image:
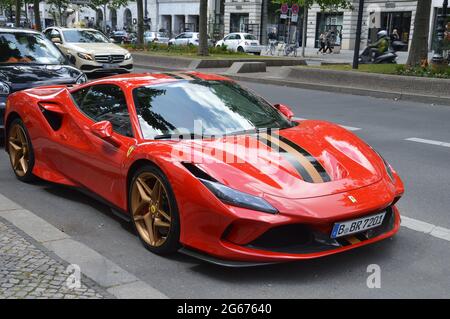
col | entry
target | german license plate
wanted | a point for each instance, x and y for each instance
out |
(110, 66)
(357, 225)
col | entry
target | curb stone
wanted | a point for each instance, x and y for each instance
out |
(117, 282)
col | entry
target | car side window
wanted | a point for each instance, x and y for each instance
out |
(238, 37)
(105, 102)
(48, 34)
(180, 36)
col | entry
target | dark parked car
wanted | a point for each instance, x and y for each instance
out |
(28, 59)
(122, 37)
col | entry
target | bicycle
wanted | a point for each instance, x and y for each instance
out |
(291, 48)
(271, 47)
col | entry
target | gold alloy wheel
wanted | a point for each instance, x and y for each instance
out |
(19, 150)
(151, 209)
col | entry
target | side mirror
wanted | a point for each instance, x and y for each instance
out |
(285, 110)
(71, 59)
(56, 40)
(104, 130)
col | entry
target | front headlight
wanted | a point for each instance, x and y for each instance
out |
(4, 88)
(236, 198)
(387, 166)
(128, 56)
(85, 56)
(81, 79)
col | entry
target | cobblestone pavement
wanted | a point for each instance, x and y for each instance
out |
(28, 271)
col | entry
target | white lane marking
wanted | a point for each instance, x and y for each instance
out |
(425, 141)
(350, 128)
(427, 228)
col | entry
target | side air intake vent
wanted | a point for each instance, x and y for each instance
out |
(197, 172)
(54, 119)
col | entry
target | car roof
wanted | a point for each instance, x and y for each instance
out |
(136, 80)
(17, 30)
(64, 28)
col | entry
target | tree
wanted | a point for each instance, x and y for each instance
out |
(264, 21)
(37, 15)
(418, 53)
(18, 12)
(140, 21)
(203, 28)
(60, 6)
(306, 4)
(105, 4)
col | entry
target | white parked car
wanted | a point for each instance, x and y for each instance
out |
(155, 37)
(241, 42)
(90, 50)
(187, 38)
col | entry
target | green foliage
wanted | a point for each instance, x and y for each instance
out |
(181, 49)
(94, 4)
(429, 71)
(324, 4)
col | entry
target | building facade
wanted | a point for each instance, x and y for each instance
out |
(225, 16)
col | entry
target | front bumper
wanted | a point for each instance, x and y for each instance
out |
(319, 244)
(253, 48)
(89, 67)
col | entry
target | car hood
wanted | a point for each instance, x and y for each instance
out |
(254, 165)
(97, 48)
(21, 77)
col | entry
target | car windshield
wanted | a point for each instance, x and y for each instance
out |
(202, 108)
(249, 37)
(84, 36)
(29, 48)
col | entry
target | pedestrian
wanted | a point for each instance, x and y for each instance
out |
(395, 36)
(321, 43)
(328, 42)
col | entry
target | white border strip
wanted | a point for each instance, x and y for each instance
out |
(427, 228)
(425, 141)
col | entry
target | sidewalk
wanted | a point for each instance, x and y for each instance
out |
(344, 56)
(29, 271)
(37, 260)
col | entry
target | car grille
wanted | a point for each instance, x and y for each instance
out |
(108, 58)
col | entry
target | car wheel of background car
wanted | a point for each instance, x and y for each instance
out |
(240, 49)
(20, 151)
(154, 211)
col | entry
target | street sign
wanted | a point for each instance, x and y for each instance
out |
(294, 18)
(284, 8)
(295, 9)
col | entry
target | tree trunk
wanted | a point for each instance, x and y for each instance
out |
(37, 15)
(304, 29)
(140, 19)
(418, 53)
(18, 12)
(264, 21)
(104, 18)
(203, 28)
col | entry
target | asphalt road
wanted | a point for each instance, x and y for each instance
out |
(413, 264)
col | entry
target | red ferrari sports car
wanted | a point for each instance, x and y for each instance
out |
(203, 166)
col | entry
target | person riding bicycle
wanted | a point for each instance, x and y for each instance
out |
(381, 46)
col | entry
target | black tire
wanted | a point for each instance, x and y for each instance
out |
(241, 49)
(172, 242)
(28, 176)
